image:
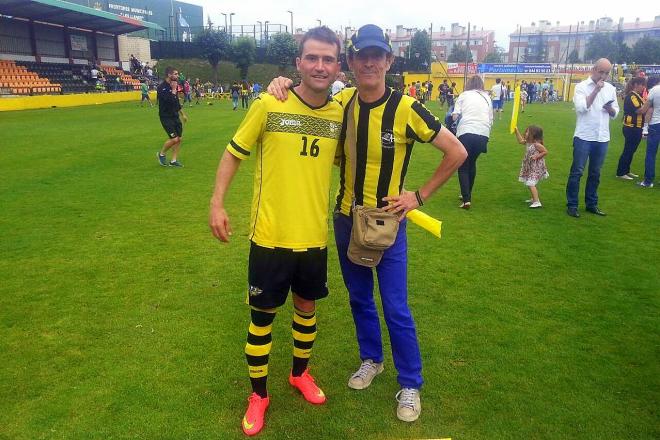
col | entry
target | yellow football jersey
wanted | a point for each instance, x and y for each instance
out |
(385, 133)
(295, 146)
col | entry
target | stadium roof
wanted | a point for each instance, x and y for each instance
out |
(73, 15)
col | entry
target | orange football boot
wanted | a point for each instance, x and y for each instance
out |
(310, 391)
(253, 421)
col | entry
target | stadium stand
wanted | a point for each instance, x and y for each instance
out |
(32, 78)
(112, 73)
(18, 80)
(72, 78)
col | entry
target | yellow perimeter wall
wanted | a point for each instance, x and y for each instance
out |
(48, 101)
(438, 74)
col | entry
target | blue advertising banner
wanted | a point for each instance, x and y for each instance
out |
(514, 68)
(650, 70)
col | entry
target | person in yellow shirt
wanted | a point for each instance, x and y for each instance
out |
(295, 144)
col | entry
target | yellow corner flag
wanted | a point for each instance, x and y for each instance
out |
(516, 107)
(434, 226)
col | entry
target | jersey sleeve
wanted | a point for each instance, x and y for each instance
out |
(249, 132)
(344, 95)
(422, 125)
(636, 102)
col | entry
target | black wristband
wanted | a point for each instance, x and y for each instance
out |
(420, 202)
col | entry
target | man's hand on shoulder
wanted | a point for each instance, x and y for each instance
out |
(279, 88)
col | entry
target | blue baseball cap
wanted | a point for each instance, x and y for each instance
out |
(370, 35)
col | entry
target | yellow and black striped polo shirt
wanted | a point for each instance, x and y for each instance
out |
(295, 146)
(631, 104)
(385, 133)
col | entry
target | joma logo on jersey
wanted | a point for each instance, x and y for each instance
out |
(290, 123)
(387, 139)
(254, 291)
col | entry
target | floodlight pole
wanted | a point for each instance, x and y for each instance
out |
(568, 52)
(515, 75)
(467, 54)
(261, 33)
(430, 52)
(231, 33)
(225, 21)
(570, 78)
(291, 13)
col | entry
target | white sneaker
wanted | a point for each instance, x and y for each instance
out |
(625, 177)
(529, 201)
(536, 205)
(633, 175)
(410, 405)
(643, 184)
(362, 378)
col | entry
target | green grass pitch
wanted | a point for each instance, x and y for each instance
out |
(121, 317)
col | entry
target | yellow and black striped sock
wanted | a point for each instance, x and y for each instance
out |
(303, 329)
(257, 349)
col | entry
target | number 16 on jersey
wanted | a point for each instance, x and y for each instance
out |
(313, 148)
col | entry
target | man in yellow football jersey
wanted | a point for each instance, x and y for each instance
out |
(295, 143)
(387, 124)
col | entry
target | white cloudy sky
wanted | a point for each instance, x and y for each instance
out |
(502, 17)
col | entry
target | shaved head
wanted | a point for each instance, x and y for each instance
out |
(601, 70)
(603, 63)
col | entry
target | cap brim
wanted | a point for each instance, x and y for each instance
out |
(373, 43)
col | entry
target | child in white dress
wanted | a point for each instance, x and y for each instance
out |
(533, 168)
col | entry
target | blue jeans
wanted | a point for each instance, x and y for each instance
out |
(583, 150)
(651, 152)
(632, 136)
(392, 283)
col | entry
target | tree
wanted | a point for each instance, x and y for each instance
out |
(282, 50)
(458, 53)
(622, 50)
(600, 45)
(574, 57)
(243, 53)
(646, 51)
(420, 51)
(624, 53)
(496, 56)
(215, 47)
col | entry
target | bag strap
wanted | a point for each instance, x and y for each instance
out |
(483, 97)
(351, 140)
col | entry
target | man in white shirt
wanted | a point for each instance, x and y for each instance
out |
(94, 75)
(496, 93)
(652, 102)
(595, 104)
(339, 85)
